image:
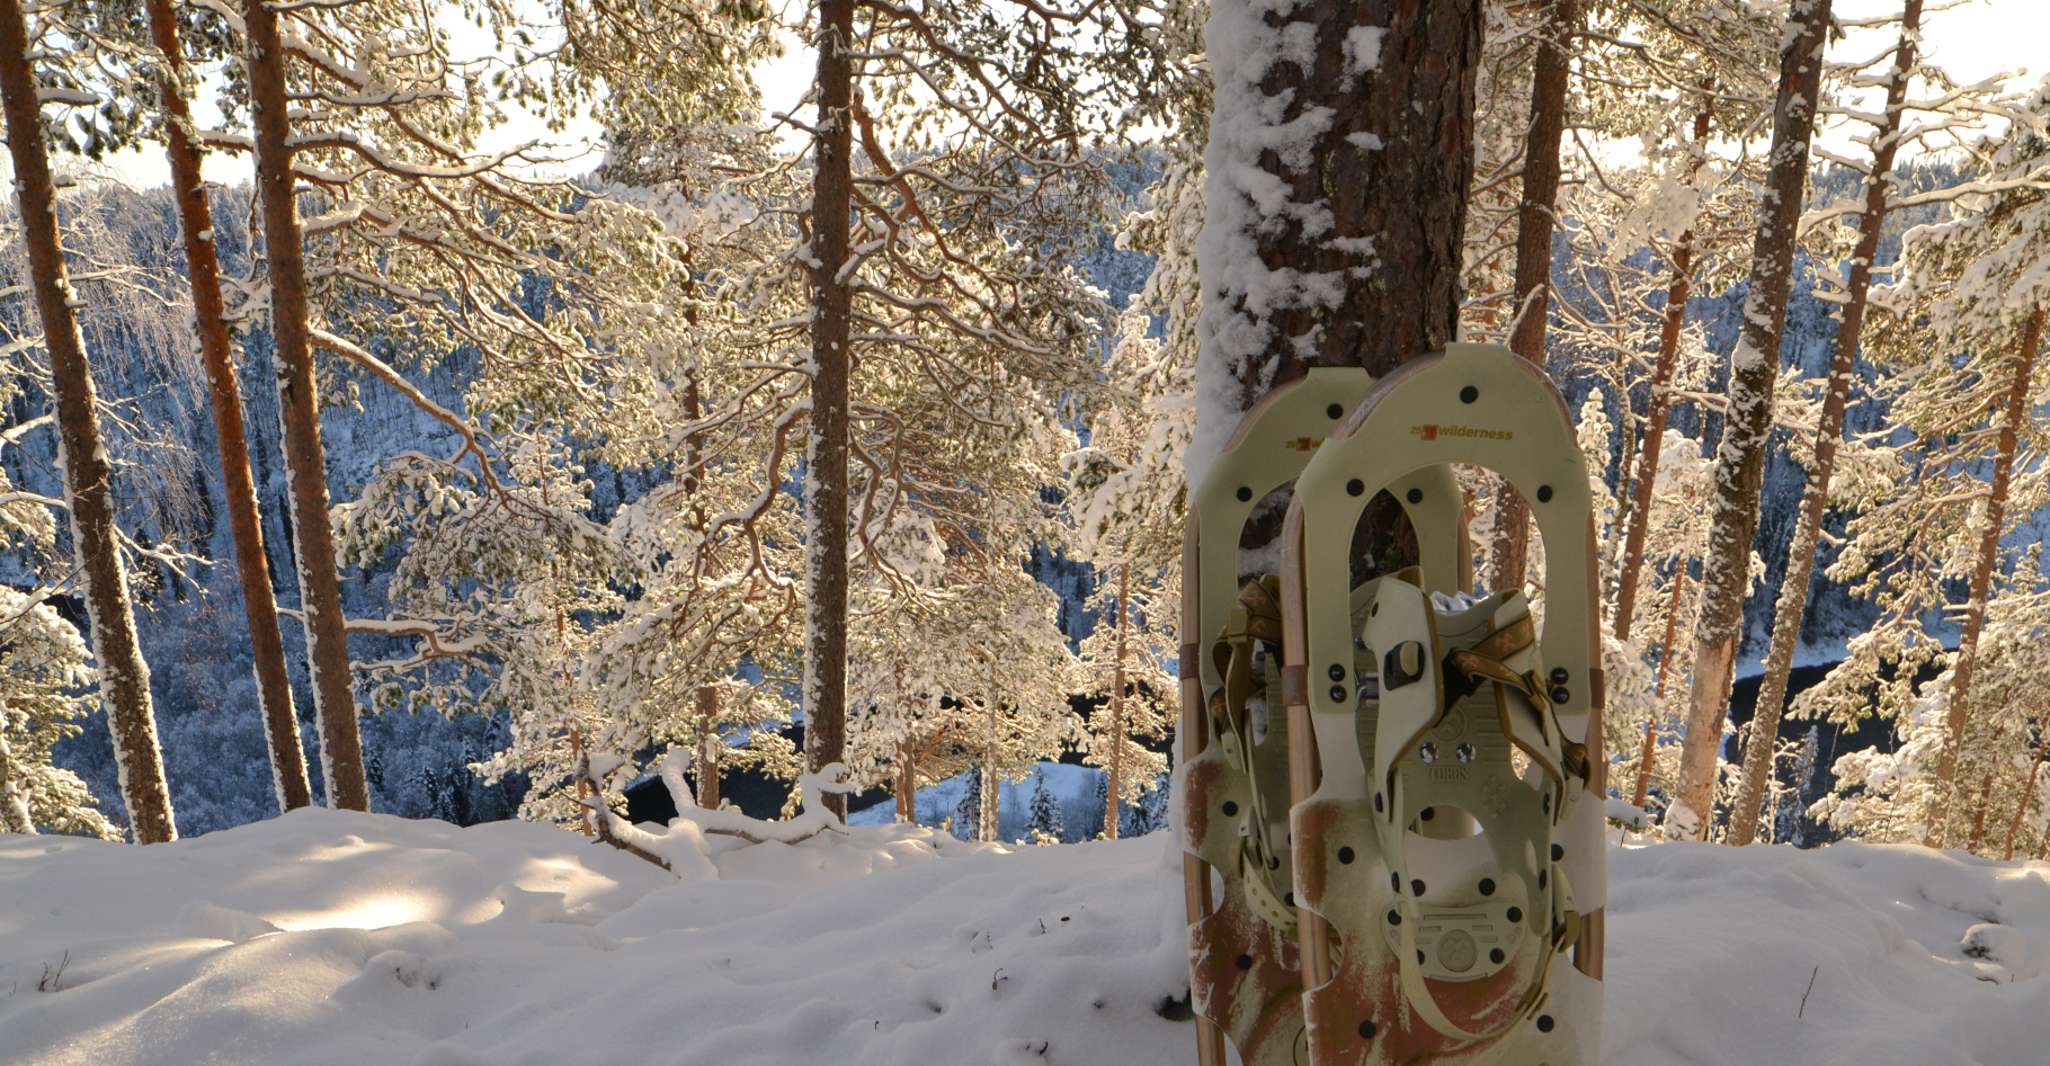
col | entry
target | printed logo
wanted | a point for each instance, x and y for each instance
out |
(1433, 432)
(1301, 444)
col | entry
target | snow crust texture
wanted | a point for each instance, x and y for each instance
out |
(336, 937)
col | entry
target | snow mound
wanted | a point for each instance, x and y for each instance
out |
(330, 937)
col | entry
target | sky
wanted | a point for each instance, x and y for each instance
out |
(1974, 40)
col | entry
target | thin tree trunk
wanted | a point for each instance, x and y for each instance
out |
(1113, 788)
(14, 813)
(707, 695)
(1793, 599)
(327, 640)
(2021, 809)
(708, 748)
(1754, 366)
(1644, 759)
(88, 473)
(1536, 220)
(825, 651)
(907, 767)
(238, 485)
(1960, 695)
(1653, 438)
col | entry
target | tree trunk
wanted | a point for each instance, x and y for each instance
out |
(14, 813)
(1793, 599)
(88, 472)
(2021, 809)
(238, 485)
(327, 640)
(1754, 366)
(708, 749)
(1661, 405)
(1959, 698)
(906, 782)
(1644, 759)
(1536, 220)
(1113, 787)
(825, 651)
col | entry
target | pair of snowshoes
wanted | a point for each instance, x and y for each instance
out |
(1391, 802)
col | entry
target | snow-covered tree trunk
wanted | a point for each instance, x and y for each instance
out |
(1666, 656)
(14, 816)
(327, 641)
(88, 470)
(1115, 783)
(1536, 219)
(1957, 700)
(1652, 440)
(906, 782)
(238, 484)
(986, 811)
(2021, 810)
(1740, 461)
(825, 607)
(708, 748)
(1793, 599)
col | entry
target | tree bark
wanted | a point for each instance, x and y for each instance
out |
(708, 748)
(1113, 787)
(14, 813)
(906, 782)
(88, 472)
(1958, 699)
(1661, 404)
(825, 652)
(238, 484)
(327, 640)
(1754, 367)
(2021, 809)
(1536, 220)
(1793, 599)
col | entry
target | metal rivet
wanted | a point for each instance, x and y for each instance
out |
(1545, 1023)
(1334, 411)
(1495, 956)
(1245, 962)
(1416, 496)
(1345, 856)
(1377, 802)
(1338, 693)
(1367, 1030)
(1394, 918)
(1544, 494)
(1487, 886)
(1337, 672)
(1419, 956)
(1560, 676)
(1560, 694)
(1558, 852)
(1515, 914)
(1416, 888)
(1428, 813)
(1231, 809)
(1465, 754)
(1469, 394)
(1355, 487)
(1428, 752)
(1245, 494)
(1395, 880)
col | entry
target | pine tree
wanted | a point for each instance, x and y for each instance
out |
(88, 470)
(1740, 459)
(968, 812)
(1043, 824)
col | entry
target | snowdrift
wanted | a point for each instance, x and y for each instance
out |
(328, 937)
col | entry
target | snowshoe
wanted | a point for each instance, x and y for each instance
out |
(1246, 979)
(1447, 844)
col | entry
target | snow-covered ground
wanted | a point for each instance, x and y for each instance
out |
(328, 937)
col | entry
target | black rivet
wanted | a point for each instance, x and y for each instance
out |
(1273, 863)
(1415, 496)
(1428, 813)
(1545, 1023)
(1245, 494)
(1394, 917)
(1245, 962)
(1334, 411)
(1377, 802)
(1374, 611)
(1495, 956)
(1337, 672)
(1515, 914)
(1541, 880)
(1355, 487)
(1338, 693)
(1487, 886)
(1544, 494)
(1560, 695)
(1394, 881)
(1231, 809)
(1559, 675)
(1558, 852)
(1345, 856)
(1469, 394)
(1416, 888)
(1419, 956)
(1367, 1030)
